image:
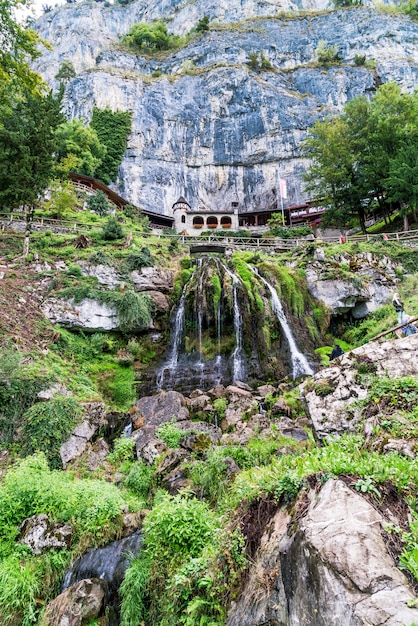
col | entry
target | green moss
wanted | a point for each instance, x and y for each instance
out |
(217, 290)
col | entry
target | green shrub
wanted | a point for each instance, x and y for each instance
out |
(359, 59)
(136, 260)
(170, 434)
(134, 310)
(74, 270)
(327, 55)
(157, 74)
(112, 128)
(153, 37)
(140, 478)
(203, 24)
(19, 388)
(176, 530)
(98, 203)
(112, 230)
(46, 425)
(122, 450)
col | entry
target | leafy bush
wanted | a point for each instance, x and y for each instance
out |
(327, 55)
(112, 230)
(19, 388)
(112, 128)
(150, 37)
(122, 450)
(176, 530)
(46, 425)
(140, 478)
(98, 203)
(359, 59)
(170, 434)
(203, 24)
(136, 260)
(134, 310)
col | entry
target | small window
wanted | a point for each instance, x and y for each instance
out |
(183, 219)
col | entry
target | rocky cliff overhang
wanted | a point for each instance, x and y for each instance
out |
(209, 128)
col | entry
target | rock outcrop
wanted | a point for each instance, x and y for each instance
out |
(366, 286)
(76, 605)
(206, 126)
(330, 394)
(39, 533)
(331, 566)
(83, 433)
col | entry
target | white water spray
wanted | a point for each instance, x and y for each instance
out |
(300, 365)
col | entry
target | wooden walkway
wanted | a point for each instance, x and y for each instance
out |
(207, 243)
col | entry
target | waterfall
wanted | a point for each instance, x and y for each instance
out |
(300, 365)
(237, 356)
(173, 357)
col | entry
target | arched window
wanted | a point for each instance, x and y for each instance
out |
(198, 221)
(212, 221)
(226, 221)
(183, 219)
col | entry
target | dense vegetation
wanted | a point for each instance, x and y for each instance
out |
(196, 552)
(366, 160)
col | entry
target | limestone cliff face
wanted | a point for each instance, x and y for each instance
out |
(222, 133)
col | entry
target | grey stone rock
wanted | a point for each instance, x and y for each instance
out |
(201, 403)
(223, 131)
(333, 568)
(77, 604)
(160, 301)
(263, 390)
(40, 534)
(152, 450)
(332, 414)
(166, 406)
(55, 390)
(94, 418)
(87, 314)
(152, 279)
(105, 274)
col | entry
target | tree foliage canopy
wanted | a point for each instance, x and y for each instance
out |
(79, 148)
(18, 46)
(358, 158)
(27, 147)
(112, 128)
(151, 37)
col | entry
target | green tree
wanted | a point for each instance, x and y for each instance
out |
(203, 24)
(98, 203)
(152, 37)
(351, 153)
(79, 148)
(27, 149)
(402, 181)
(112, 128)
(66, 72)
(18, 47)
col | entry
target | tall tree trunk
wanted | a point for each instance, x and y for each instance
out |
(29, 219)
(405, 221)
(362, 218)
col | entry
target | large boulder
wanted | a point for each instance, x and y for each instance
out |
(83, 433)
(77, 604)
(375, 278)
(85, 315)
(331, 567)
(330, 394)
(166, 406)
(40, 534)
(152, 279)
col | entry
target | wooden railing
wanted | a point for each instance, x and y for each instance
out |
(17, 223)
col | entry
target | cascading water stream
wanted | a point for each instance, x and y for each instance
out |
(170, 365)
(300, 365)
(237, 356)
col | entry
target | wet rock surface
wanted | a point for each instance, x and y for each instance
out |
(333, 567)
